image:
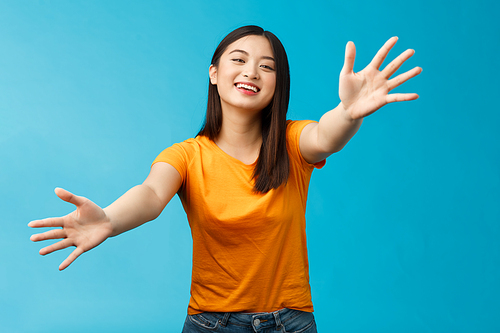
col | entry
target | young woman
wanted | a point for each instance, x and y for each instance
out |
(243, 182)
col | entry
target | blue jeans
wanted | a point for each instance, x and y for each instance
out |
(283, 321)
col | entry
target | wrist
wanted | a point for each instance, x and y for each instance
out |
(345, 114)
(108, 220)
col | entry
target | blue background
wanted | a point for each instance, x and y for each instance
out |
(403, 224)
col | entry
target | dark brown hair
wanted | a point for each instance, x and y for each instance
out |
(272, 167)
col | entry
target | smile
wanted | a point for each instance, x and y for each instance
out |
(247, 87)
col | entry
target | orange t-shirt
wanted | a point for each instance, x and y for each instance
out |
(249, 249)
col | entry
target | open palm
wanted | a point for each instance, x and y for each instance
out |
(84, 228)
(365, 92)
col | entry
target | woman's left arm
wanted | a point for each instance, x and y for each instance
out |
(361, 94)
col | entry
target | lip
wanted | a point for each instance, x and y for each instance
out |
(248, 84)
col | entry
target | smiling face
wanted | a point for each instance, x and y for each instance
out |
(245, 75)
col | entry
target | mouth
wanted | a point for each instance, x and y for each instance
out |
(247, 87)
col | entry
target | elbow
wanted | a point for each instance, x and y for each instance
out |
(156, 203)
(327, 148)
(338, 148)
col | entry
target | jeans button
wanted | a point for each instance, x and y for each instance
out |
(256, 322)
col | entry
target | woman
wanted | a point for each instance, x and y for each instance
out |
(243, 183)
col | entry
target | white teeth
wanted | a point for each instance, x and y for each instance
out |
(241, 85)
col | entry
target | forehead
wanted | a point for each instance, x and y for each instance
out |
(253, 45)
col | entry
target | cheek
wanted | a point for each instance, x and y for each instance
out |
(224, 82)
(272, 82)
(272, 86)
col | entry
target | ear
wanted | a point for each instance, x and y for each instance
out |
(213, 74)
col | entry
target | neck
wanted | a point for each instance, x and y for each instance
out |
(240, 130)
(241, 135)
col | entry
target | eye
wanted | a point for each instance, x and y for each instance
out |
(267, 67)
(238, 60)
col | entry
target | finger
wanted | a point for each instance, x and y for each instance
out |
(402, 78)
(382, 53)
(350, 55)
(69, 197)
(51, 234)
(400, 97)
(72, 257)
(52, 222)
(56, 246)
(396, 63)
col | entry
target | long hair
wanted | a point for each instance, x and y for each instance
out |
(272, 167)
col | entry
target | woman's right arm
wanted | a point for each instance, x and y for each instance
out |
(89, 225)
(144, 202)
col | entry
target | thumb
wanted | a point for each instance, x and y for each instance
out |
(350, 55)
(69, 197)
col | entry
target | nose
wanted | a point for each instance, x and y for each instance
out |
(250, 72)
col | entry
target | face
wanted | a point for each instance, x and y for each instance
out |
(245, 76)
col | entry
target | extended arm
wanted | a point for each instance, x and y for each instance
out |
(144, 202)
(361, 94)
(89, 225)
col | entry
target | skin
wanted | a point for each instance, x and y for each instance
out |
(361, 94)
(246, 60)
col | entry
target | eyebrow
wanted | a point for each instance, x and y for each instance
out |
(246, 53)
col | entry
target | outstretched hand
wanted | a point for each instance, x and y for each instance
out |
(365, 92)
(84, 228)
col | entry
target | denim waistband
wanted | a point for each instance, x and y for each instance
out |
(258, 320)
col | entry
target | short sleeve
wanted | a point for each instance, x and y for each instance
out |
(176, 155)
(293, 132)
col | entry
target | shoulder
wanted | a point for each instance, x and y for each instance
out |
(294, 127)
(180, 155)
(186, 147)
